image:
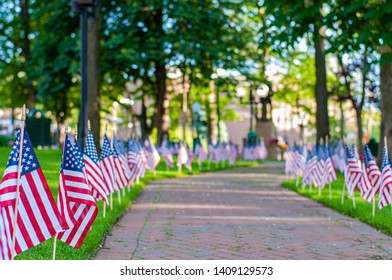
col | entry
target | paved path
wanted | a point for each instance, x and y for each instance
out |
(237, 214)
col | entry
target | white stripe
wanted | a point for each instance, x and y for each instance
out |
(78, 185)
(77, 195)
(82, 226)
(45, 199)
(37, 209)
(25, 219)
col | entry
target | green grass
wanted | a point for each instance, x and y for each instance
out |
(363, 210)
(50, 163)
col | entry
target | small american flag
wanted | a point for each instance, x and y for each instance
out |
(319, 170)
(200, 153)
(75, 202)
(107, 165)
(120, 169)
(5, 238)
(329, 174)
(182, 157)
(353, 173)
(167, 156)
(93, 170)
(153, 157)
(190, 157)
(371, 176)
(309, 170)
(38, 218)
(386, 181)
(133, 159)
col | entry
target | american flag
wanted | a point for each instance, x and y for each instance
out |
(122, 177)
(353, 173)
(319, 170)
(38, 218)
(153, 157)
(233, 154)
(107, 165)
(371, 175)
(5, 238)
(213, 153)
(167, 156)
(133, 159)
(143, 157)
(93, 170)
(200, 153)
(329, 174)
(191, 156)
(386, 181)
(290, 167)
(182, 156)
(309, 170)
(75, 202)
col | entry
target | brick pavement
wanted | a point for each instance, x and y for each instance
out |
(237, 214)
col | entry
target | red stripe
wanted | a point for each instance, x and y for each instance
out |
(53, 206)
(30, 212)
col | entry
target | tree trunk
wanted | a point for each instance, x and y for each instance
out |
(31, 92)
(322, 121)
(386, 99)
(358, 115)
(161, 117)
(93, 76)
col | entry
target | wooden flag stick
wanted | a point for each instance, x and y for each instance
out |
(297, 182)
(353, 197)
(14, 222)
(344, 188)
(54, 247)
(374, 205)
(104, 209)
(179, 168)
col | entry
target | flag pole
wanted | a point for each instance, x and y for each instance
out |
(344, 188)
(55, 237)
(115, 177)
(374, 204)
(329, 186)
(111, 193)
(14, 223)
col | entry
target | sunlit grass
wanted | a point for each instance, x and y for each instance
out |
(50, 163)
(362, 211)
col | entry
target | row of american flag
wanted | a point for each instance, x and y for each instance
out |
(84, 179)
(318, 167)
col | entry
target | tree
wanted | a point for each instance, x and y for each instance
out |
(297, 20)
(368, 23)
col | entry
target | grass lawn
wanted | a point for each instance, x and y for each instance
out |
(363, 210)
(50, 163)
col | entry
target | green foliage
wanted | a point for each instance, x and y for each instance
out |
(5, 141)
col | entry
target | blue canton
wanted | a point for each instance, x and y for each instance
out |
(78, 154)
(90, 150)
(29, 159)
(70, 162)
(106, 150)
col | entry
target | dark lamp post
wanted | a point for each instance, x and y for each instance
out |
(86, 8)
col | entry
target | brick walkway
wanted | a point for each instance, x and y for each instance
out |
(237, 214)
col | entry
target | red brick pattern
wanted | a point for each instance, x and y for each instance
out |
(237, 214)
